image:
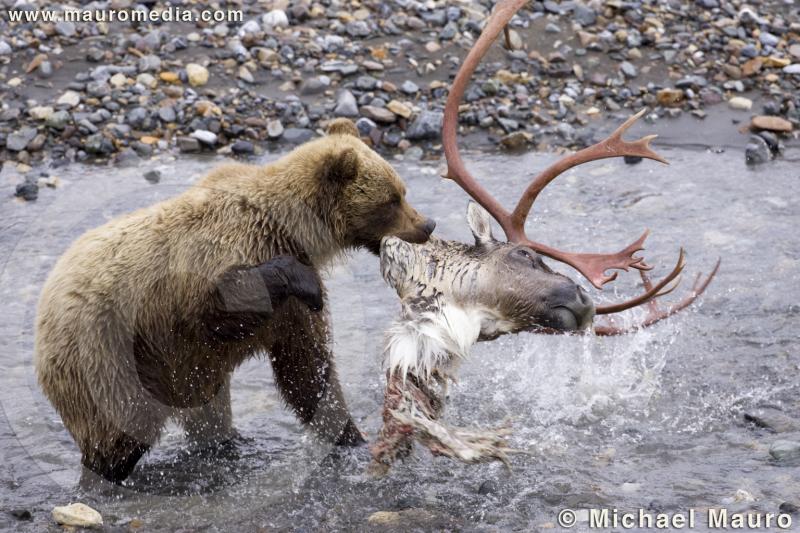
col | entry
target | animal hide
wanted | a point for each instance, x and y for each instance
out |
(432, 337)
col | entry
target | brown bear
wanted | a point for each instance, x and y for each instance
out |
(144, 318)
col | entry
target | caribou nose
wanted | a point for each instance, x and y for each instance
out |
(572, 308)
(428, 226)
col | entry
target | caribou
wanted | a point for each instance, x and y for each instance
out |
(454, 294)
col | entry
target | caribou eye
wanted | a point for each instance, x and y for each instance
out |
(527, 255)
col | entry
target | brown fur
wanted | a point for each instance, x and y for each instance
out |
(132, 326)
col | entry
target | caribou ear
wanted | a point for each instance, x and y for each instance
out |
(397, 257)
(480, 223)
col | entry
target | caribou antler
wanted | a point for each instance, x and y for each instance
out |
(591, 265)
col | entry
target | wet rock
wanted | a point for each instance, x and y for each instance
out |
(167, 113)
(771, 123)
(632, 159)
(789, 508)
(384, 518)
(275, 19)
(772, 140)
(5, 48)
(628, 69)
(298, 135)
(584, 15)
(365, 126)
(378, 114)
(773, 420)
(346, 105)
(77, 514)
(242, 147)
(489, 486)
(21, 514)
(669, 96)
(69, 99)
(427, 125)
(315, 85)
(65, 28)
(197, 74)
(17, 141)
(274, 128)
(409, 87)
(245, 75)
(206, 137)
(188, 144)
(516, 140)
(28, 191)
(58, 120)
(399, 108)
(40, 112)
(757, 151)
(343, 68)
(740, 103)
(152, 176)
(98, 144)
(792, 69)
(149, 63)
(783, 450)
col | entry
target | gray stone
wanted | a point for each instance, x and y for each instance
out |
(149, 63)
(136, 117)
(152, 176)
(378, 114)
(345, 69)
(206, 137)
(167, 113)
(315, 85)
(298, 135)
(5, 48)
(584, 15)
(65, 28)
(28, 191)
(768, 39)
(409, 87)
(792, 69)
(357, 28)
(98, 144)
(628, 69)
(274, 128)
(365, 126)
(243, 147)
(17, 141)
(188, 144)
(346, 105)
(427, 125)
(773, 420)
(783, 450)
(757, 151)
(58, 120)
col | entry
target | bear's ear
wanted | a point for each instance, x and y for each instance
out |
(342, 126)
(341, 166)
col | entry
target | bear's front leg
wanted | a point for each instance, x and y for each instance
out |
(302, 363)
(245, 297)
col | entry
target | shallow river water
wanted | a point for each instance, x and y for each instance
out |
(653, 420)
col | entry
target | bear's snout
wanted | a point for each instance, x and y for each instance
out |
(428, 226)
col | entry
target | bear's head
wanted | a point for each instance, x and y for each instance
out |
(366, 193)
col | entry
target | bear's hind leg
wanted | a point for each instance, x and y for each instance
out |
(116, 462)
(304, 372)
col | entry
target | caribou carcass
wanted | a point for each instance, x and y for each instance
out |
(454, 294)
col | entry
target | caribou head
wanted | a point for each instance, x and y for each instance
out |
(507, 286)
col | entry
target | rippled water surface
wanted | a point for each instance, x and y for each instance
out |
(652, 420)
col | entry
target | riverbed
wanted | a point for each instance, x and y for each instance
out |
(652, 420)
